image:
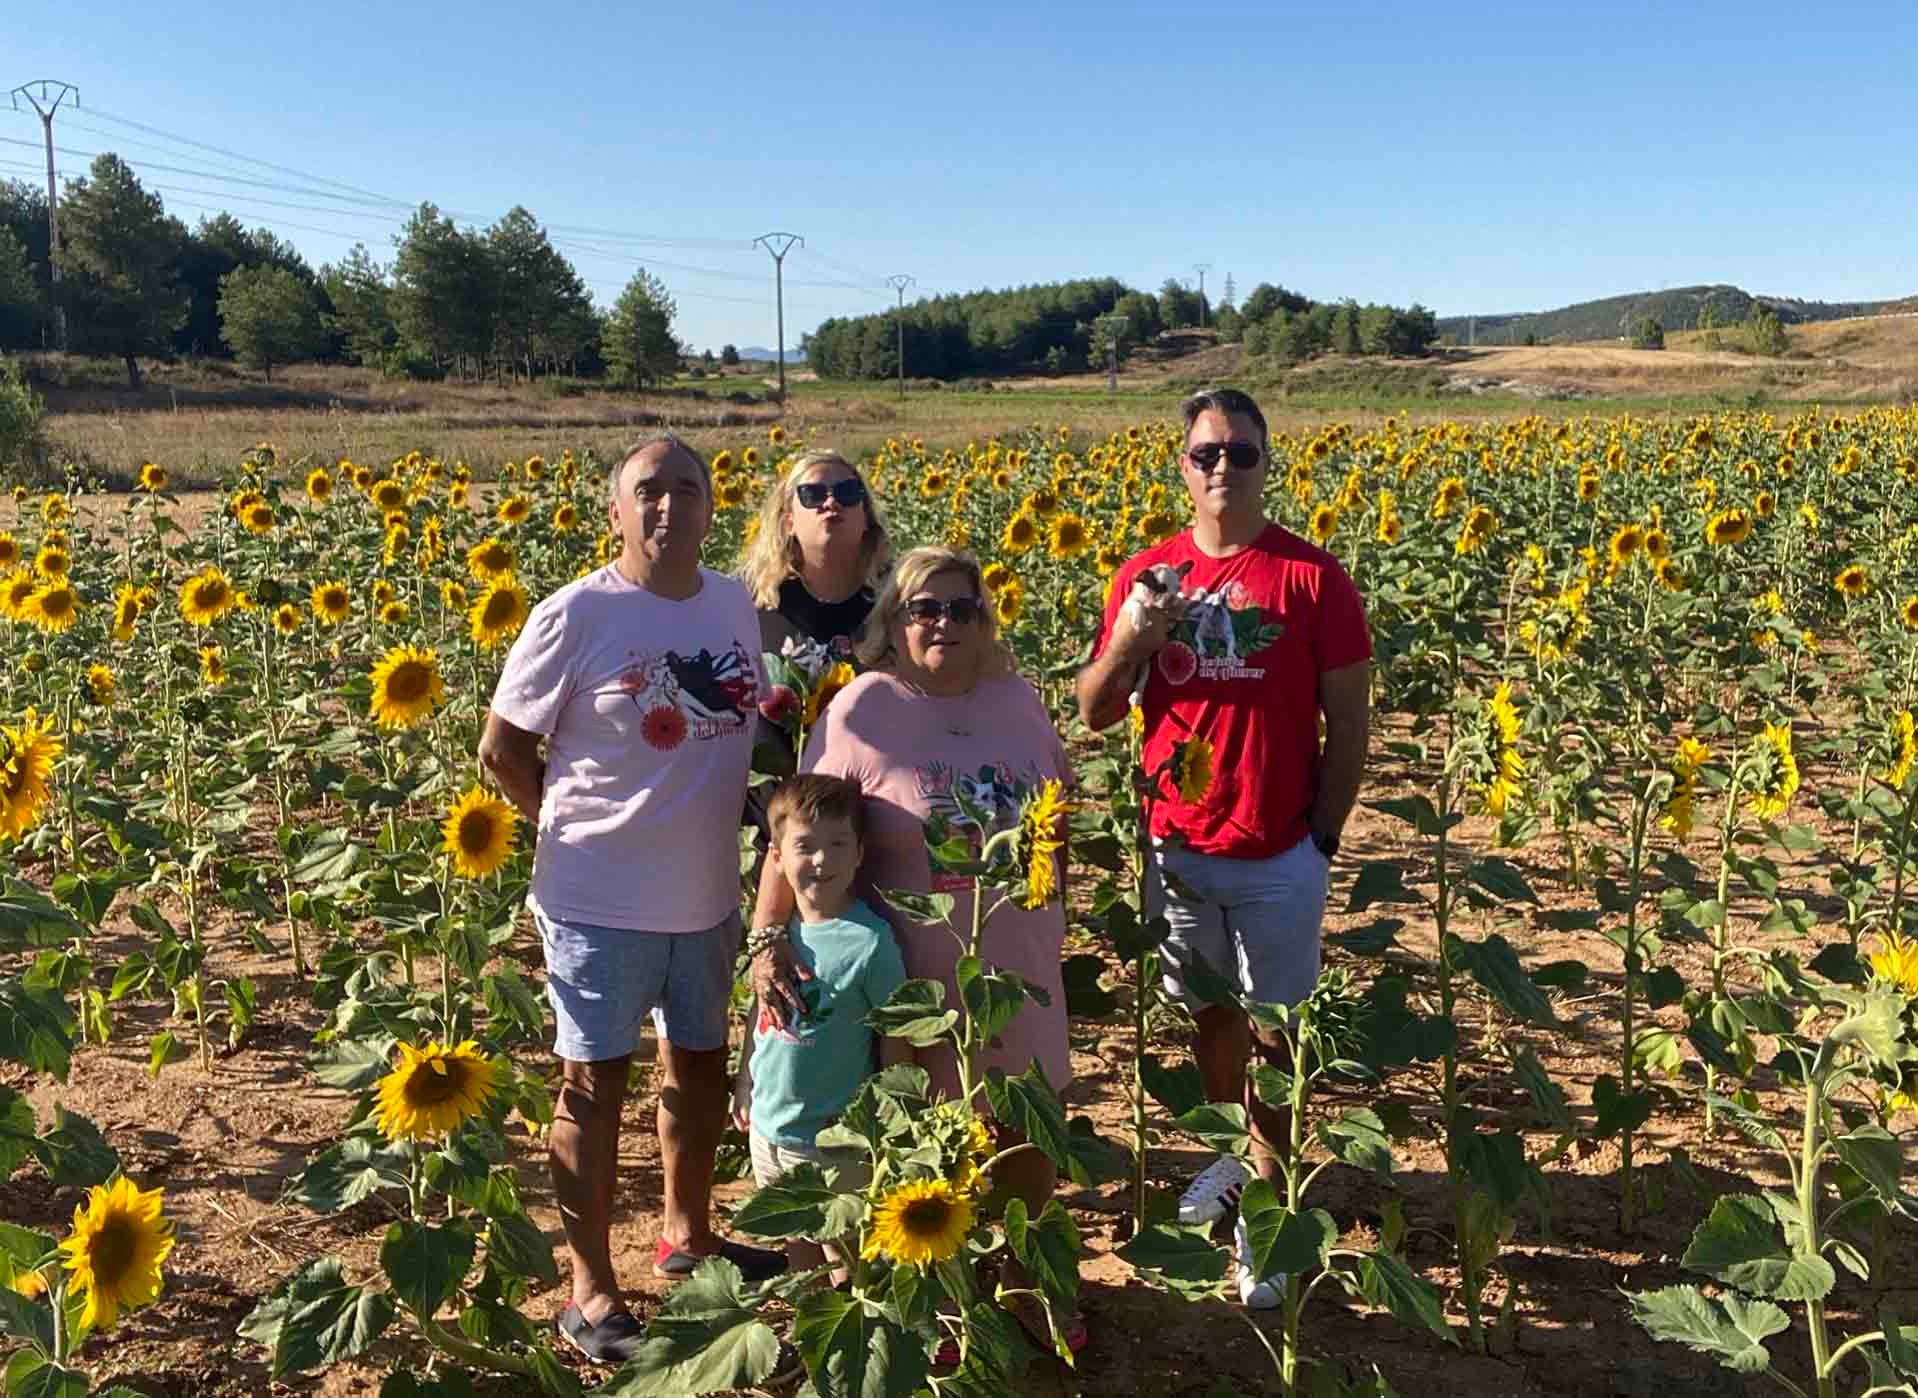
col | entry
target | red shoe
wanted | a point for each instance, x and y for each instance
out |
(755, 1264)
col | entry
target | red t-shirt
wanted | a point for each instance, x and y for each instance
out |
(1241, 670)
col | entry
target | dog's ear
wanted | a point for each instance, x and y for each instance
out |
(1183, 569)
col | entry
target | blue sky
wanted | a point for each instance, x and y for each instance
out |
(1474, 157)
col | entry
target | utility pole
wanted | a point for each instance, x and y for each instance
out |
(1113, 326)
(765, 240)
(1202, 268)
(46, 107)
(1228, 298)
(899, 281)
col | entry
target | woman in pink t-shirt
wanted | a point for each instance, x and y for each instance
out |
(940, 713)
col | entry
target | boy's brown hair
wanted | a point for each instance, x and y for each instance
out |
(814, 797)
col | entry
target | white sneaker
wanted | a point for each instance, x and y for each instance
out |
(1257, 1293)
(1214, 1190)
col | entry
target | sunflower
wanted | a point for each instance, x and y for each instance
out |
(1450, 492)
(99, 685)
(1728, 527)
(1192, 769)
(1108, 559)
(127, 607)
(433, 1089)
(52, 561)
(1480, 524)
(389, 495)
(1009, 602)
(513, 509)
(1658, 544)
(212, 666)
(1778, 773)
(489, 559)
(27, 755)
(54, 509)
(1021, 533)
(1675, 814)
(1852, 582)
(1325, 519)
(1156, 526)
(406, 686)
(919, 1222)
(53, 608)
(452, 596)
(1067, 536)
(1896, 962)
(382, 592)
(1904, 747)
(1039, 843)
(1626, 542)
(749, 457)
(286, 618)
(566, 515)
(152, 477)
(479, 833)
(498, 613)
(9, 551)
(115, 1250)
(1501, 740)
(823, 690)
(1668, 575)
(722, 462)
(394, 613)
(1764, 504)
(456, 495)
(331, 603)
(206, 596)
(319, 485)
(258, 518)
(995, 575)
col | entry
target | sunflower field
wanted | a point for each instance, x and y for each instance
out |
(1616, 1033)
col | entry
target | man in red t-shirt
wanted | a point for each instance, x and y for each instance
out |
(1262, 634)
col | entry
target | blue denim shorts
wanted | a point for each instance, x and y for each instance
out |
(604, 981)
(1256, 921)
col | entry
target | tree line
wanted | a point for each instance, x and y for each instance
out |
(136, 281)
(1064, 327)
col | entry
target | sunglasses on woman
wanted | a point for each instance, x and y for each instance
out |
(812, 494)
(927, 610)
(1241, 456)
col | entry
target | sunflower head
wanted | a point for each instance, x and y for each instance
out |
(919, 1223)
(1775, 772)
(331, 602)
(114, 1253)
(286, 618)
(489, 559)
(99, 685)
(432, 1089)
(1067, 536)
(206, 596)
(1852, 582)
(406, 687)
(152, 477)
(1021, 533)
(27, 756)
(319, 485)
(478, 833)
(52, 561)
(53, 608)
(1192, 769)
(1896, 962)
(498, 613)
(513, 509)
(1041, 833)
(388, 495)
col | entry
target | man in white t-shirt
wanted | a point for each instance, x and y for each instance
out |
(641, 679)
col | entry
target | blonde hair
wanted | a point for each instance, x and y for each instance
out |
(874, 649)
(773, 555)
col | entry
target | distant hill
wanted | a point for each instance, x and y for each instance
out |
(771, 356)
(1617, 316)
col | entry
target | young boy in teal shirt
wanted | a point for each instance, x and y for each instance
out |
(794, 1082)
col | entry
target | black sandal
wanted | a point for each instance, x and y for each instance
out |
(614, 1340)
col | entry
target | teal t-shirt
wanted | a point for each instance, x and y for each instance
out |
(805, 1074)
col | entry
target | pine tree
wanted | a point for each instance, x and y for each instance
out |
(268, 317)
(638, 344)
(121, 253)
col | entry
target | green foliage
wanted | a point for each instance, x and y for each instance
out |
(638, 341)
(1703, 308)
(1648, 334)
(20, 300)
(362, 314)
(1764, 333)
(268, 317)
(120, 252)
(21, 416)
(982, 332)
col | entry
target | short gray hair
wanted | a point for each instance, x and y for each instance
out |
(659, 439)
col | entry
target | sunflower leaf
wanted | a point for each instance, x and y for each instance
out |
(915, 1014)
(794, 1207)
(73, 1152)
(427, 1263)
(324, 1320)
(36, 1028)
(1182, 1259)
(16, 1132)
(1029, 1106)
(347, 1174)
(28, 1375)
(351, 1064)
(31, 919)
(852, 1347)
(1386, 1281)
(1733, 1330)
(705, 1338)
(1047, 1247)
(516, 1245)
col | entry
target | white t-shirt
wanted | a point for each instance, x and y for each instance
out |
(646, 704)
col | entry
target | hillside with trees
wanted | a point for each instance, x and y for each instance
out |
(1618, 317)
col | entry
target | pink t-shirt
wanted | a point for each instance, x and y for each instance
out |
(646, 704)
(910, 753)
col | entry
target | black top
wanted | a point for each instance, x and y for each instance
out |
(833, 624)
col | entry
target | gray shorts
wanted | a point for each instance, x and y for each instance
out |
(1253, 920)
(772, 1159)
(604, 981)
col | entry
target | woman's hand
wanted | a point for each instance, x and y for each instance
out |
(776, 976)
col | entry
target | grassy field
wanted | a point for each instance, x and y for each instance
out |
(197, 418)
